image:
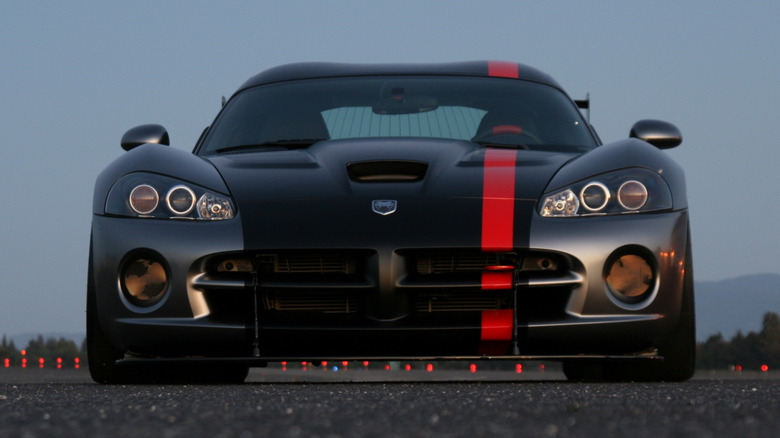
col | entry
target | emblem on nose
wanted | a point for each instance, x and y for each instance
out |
(384, 206)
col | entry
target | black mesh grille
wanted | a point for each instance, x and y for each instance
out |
(457, 262)
(309, 263)
(429, 303)
(309, 301)
(430, 283)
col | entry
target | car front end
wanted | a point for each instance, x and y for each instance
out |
(392, 246)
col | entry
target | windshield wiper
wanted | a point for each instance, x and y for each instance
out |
(297, 143)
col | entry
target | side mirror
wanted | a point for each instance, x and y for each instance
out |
(658, 133)
(145, 134)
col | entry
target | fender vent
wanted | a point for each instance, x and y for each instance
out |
(387, 171)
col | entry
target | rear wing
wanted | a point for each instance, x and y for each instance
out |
(584, 104)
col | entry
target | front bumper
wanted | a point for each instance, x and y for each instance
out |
(377, 304)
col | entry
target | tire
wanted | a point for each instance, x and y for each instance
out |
(679, 351)
(101, 355)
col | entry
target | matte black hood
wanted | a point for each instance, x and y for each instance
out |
(322, 196)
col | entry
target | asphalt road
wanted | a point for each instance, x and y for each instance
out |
(377, 403)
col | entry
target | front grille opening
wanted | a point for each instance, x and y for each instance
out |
(311, 264)
(435, 263)
(432, 302)
(450, 281)
(291, 263)
(305, 282)
(472, 262)
(321, 301)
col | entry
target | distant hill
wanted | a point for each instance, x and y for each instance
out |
(727, 306)
(724, 306)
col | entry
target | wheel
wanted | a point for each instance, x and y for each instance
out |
(679, 351)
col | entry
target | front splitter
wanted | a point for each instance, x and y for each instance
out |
(264, 361)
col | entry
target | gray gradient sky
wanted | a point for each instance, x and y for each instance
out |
(75, 75)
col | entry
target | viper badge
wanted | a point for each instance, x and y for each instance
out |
(384, 206)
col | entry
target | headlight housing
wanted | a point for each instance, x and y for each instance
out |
(631, 190)
(147, 195)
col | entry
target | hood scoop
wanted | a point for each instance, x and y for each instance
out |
(387, 171)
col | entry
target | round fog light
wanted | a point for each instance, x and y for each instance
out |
(629, 277)
(144, 280)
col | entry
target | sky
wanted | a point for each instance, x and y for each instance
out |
(74, 76)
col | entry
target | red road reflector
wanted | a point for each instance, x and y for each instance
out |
(519, 368)
(765, 368)
(473, 368)
(429, 367)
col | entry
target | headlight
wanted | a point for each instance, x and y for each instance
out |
(144, 199)
(138, 195)
(624, 191)
(180, 200)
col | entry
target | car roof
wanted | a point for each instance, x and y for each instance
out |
(313, 70)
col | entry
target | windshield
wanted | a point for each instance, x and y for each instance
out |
(489, 111)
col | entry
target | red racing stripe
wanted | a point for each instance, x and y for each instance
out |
(503, 69)
(498, 280)
(498, 203)
(497, 325)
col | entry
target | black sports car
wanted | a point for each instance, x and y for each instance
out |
(392, 212)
